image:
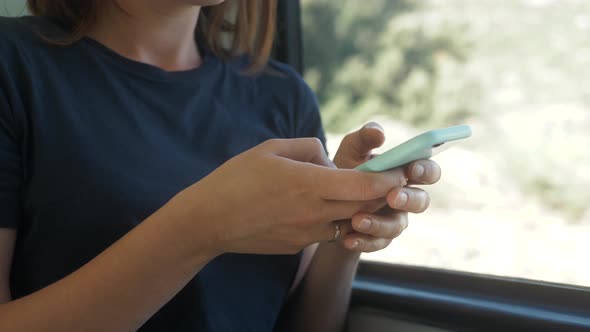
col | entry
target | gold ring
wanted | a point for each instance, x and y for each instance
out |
(337, 233)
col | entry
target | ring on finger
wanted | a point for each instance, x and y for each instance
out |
(337, 233)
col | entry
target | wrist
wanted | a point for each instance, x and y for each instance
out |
(340, 252)
(189, 214)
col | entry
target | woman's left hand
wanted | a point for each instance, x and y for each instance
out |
(372, 231)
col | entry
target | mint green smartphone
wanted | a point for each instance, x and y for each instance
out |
(422, 146)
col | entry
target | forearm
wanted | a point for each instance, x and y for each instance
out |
(321, 303)
(122, 287)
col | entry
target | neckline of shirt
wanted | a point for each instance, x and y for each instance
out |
(148, 71)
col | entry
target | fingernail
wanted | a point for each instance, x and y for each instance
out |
(401, 199)
(365, 224)
(374, 125)
(418, 171)
(355, 244)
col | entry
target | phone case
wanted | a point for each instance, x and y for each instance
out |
(419, 147)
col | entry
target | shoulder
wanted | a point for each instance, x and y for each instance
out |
(19, 35)
(279, 71)
(288, 79)
(12, 27)
(282, 92)
(277, 79)
(26, 29)
(287, 84)
(22, 52)
(26, 53)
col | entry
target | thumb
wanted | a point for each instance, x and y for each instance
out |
(357, 146)
(372, 136)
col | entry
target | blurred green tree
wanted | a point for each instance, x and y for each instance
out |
(384, 57)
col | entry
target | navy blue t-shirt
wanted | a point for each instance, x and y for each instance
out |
(92, 143)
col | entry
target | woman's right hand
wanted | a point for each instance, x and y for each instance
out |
(279, 197)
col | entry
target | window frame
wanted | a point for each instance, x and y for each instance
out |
(462, 300)
(289, 40)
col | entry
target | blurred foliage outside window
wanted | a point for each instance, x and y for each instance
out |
(514, 200)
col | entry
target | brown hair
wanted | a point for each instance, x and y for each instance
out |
(228, 31)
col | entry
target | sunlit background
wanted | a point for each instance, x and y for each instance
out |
(514, 199)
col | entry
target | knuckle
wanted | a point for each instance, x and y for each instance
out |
(374, 205)
(270, 143)
(369, 189)
(397, 177)
(348, 141)
(371, 246)
(376, 227)
(365, 190)
(399, 229)
(316, 143)
(396, 230)
(366, 207)
(348, 136)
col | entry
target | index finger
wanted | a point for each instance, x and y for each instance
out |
(309, 150)
(354, 185)
(424, 171)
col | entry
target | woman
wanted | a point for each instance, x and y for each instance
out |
(143, 181)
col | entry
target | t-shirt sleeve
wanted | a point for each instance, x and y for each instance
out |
(10, 164)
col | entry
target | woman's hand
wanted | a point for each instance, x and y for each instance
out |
(321, 303)
(371, 231)
(279, 197)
